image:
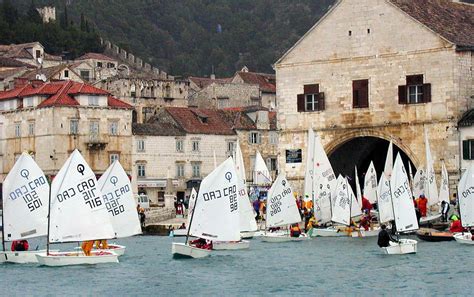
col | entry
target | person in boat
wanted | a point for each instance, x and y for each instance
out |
(366, 205)
(256, 207)
(183, 226)
(101, 244)
(202, 243)
(444, 211)
(417, 210)
(295, 230)
(142, 216)
(263, 209)
(456, 224)
(472, 234)
(87, 247)
(20, 245)
(423, 205)
(365, 222)
(385, 238)
(311, 224)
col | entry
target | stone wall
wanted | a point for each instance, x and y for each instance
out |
(222, 95)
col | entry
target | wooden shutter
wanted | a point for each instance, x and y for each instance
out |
(360, 93)
(311, 89)
(402, 94)
(321, 104)
(426, 93)
(300, 103)
(465, 150)
(415, 79)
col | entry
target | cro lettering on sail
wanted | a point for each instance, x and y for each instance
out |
(28, 191)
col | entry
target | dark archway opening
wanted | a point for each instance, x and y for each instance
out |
(359, 152)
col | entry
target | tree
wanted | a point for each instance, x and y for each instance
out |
(64, 18)
(83, 23)
(33, 15)
(10, 13)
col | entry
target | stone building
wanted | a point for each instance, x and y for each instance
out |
(371, 71)
(94, 67)
(266, 82)
(466, 139)
(50, 120)
(11, 69)
(31, 53)
(47, 13)
(60, 72)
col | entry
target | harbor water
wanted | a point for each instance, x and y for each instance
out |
(323, 266)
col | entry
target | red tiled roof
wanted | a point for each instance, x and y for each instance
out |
(203, 82)
(201, 121)
(453, 21)
(61, 93)
(95, 56)
(261, 79)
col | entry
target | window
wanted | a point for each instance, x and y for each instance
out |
(38, 54)
(94, 130)
(28, 102)
(147, 113)
(17, 130)
(273, 138)
(415, 91)
(113, 127)
(468, 149)
(93, 100)
(196, 169)
(85, 74)
(179, 169)
(360, 93)
(179, 145)
(271, 164)
(114, 157)
(255, 138)
(311, 99)
(110, 65)
(133, 91)
(141, 170)
(99, 64)
(195, 145)
(230, 147)
(31, 128)
(140, 145)
(74, 126)
(66, 73)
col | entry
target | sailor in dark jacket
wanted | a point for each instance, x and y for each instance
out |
(384, 237)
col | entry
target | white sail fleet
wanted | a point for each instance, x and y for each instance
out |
(77, 207)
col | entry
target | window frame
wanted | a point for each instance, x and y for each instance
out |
(179, 145)
(257, 139)
(196, 169)
(92, 100)
(31, 128)
(17, 129)
(73, 125)
(113, 157)
(114, 127)
(180, 170)
(195, 145)
(141, 170)
(140, 145)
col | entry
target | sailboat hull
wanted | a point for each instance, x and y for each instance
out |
(181, 250)
(115, 248)
(230, 245)
(404, 246)
(430, 219)
(274, 238)
(76, 258)
(180, 232)
(327, 232)
(364, 233)
(464, 238)
(22, 257)
(247, 234)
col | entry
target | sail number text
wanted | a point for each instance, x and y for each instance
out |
(87, 189)
(275, 201)
(230, 193)
(112, 200)
(29, 194)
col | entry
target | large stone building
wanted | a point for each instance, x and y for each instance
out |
(371, 71)
(31, 53)
(50, 120)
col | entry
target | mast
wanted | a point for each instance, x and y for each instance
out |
(350, 202)
(3, 233)
(191, 220)
(49, 215)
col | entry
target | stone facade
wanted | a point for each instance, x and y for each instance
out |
(225, 95)
(377, 41)
(47, 13)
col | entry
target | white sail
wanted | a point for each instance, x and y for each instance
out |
(281, 204)
(431, 189)
(117, 195)
(191, 203)
(247, 214)
(308, 176)
(466, 197)
(384, 202)
(358, 191)
(341, 207)
(419, 182)
(322, 200)
(322, 166)
(78, 211)
(403, 207)
(370, 184)
(261, 173)
(356, 208)
(216, 211)
(239, 163)
(25, 200)
(389, 161)
(444, 186)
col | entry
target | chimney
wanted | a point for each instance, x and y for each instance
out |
(36, 83)
(213, 76)
(20, 82)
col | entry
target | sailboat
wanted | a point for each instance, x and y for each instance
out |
(466, 205)
(192, 200)
(431, 189)
(281, 211)
(117, 194)
(25, 208)
(403, 210)
(261, 173)
(370, 184)
(215, 215)
(77, 212)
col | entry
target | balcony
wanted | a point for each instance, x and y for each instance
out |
(96, 142)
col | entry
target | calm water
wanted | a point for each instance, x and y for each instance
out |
(328, 266)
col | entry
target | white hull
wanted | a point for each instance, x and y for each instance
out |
(229, 245)
(404, 246)
(247, 234)
(328, 232)
(180, 232)
(114, 248)
(76, 258)
(181, 250)
(21, 257)
(464, 238)
(368, 233)
(429, 219)
(283, 238)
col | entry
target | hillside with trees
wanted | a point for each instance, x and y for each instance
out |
(193, 37)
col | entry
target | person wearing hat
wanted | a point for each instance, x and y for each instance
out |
(422, 205)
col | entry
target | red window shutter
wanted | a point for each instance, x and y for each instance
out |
(311, 89)
(300, 103)
(426, 93)
(415, 79)
(402, 94)
(321, 104)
